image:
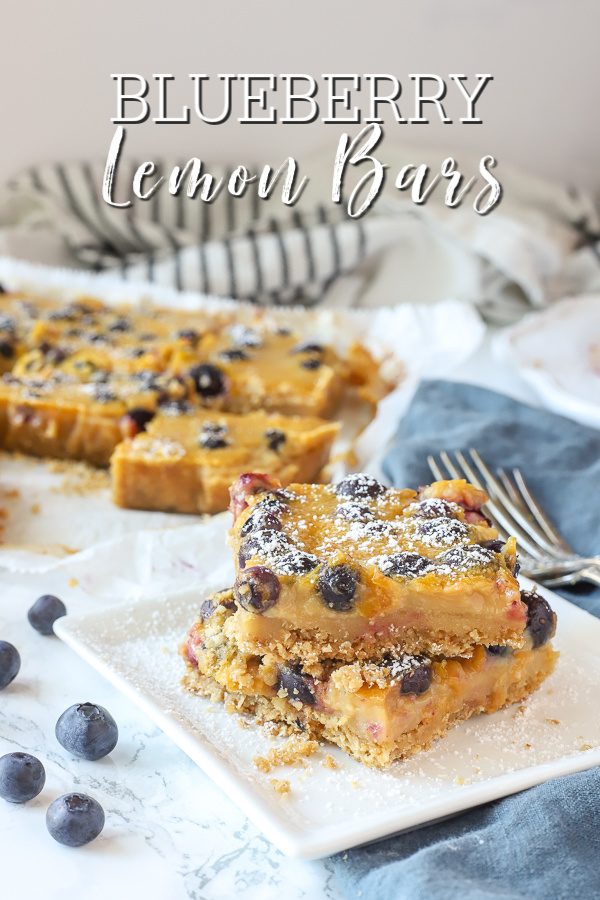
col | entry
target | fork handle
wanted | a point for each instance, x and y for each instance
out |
(564, 567)
(590, 574)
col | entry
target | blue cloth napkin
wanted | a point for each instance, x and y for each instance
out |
(545, 842)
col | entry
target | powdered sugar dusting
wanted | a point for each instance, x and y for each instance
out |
(367, 522)
(243, 336)
(163, 448)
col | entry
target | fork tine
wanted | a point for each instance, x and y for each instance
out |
(489, 506)
(452, 470)
(527, 527)
(530, 553)
(449, 464)
(510, 488)
(435, 469)
(505, 524)
(518, 497)
(498, 512)
(469, 471)
(539, 515)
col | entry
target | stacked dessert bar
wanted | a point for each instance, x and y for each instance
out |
(373, 617)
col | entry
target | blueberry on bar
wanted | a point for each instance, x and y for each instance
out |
(363, 568)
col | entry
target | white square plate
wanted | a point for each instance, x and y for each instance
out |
(555, 732)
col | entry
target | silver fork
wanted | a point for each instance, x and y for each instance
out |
(514, 511)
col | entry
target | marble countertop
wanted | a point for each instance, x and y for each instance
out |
(170, 832)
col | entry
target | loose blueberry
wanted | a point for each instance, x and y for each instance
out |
(359, 487)
(139, 418)
(44, 613)
(257, 589)
(87, 731)
(10, 663)
(261, 520)
(7, 349)
(337, 586)
(22, 777)
(540, 618)
(209, 380)
(404, 565)
(297, 684)
(275, 438)
(417, 681)
(75, 819)
(498, 650)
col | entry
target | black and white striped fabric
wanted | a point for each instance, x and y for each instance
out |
(234, 246)
(541, 243)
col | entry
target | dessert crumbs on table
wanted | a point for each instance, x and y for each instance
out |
(329, 762)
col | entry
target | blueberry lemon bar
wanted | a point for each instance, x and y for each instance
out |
(82, 380)
(372, 617)
(377, 710)
(352, 569)
(187, 462)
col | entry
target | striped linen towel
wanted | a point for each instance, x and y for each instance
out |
(521, 254)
